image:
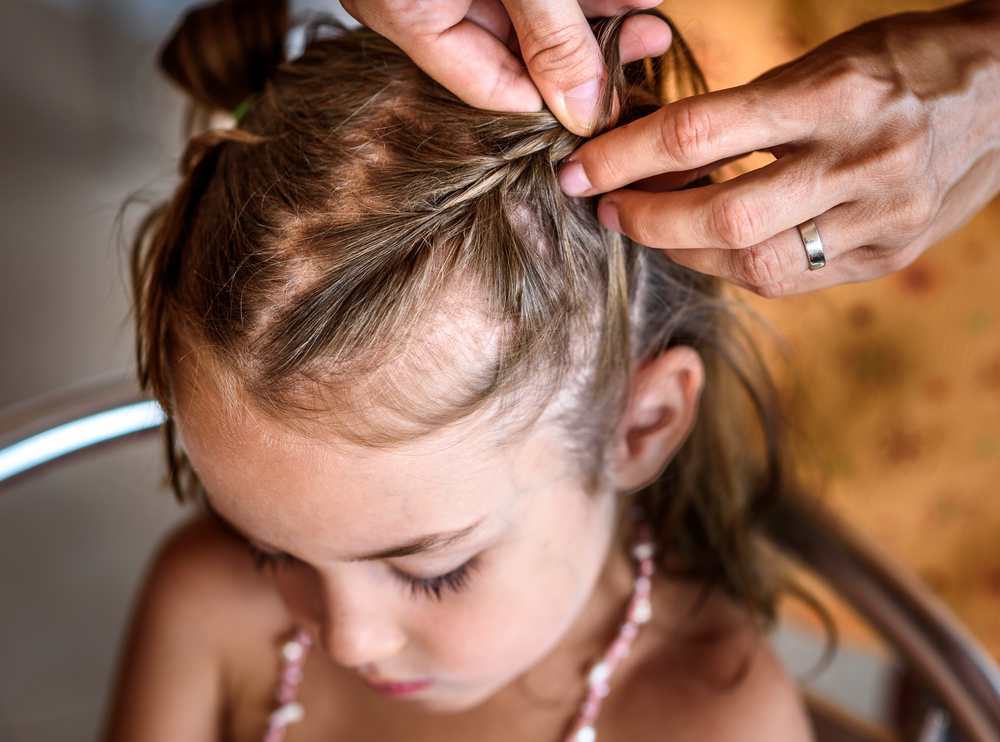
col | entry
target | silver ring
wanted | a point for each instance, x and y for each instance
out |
(814, 245)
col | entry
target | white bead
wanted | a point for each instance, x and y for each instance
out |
(599, 673)
(292, 651)
(287, 714)
(642, 612)
(643, 551)
(585, 734)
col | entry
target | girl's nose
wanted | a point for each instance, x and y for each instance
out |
(356, 632)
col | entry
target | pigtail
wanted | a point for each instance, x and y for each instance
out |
(223, 53)
(156, 266)
(221, 56)
(158, 260)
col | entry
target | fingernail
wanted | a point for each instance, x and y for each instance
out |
(581, 105)
(608, 216)
(572, 179)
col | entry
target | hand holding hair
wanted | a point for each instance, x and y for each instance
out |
(511, 55)
(887, 139)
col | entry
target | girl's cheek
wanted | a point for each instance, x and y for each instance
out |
(504, 617)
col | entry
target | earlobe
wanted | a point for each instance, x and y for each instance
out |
(661, 411)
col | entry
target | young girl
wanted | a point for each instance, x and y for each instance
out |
(472, 467)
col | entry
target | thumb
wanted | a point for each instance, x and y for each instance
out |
(562, 57)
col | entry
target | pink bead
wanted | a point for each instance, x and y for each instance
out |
(621, 648)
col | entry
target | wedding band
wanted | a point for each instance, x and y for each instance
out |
(814, 246)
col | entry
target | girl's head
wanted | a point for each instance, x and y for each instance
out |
(402, 360)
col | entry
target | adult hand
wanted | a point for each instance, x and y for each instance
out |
(888, 137)
(510, 55)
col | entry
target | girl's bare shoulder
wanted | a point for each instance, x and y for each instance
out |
(203, 582)
(206, 567)
(206, 617)
(713, 674)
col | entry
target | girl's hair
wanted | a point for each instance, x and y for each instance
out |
(311, 250)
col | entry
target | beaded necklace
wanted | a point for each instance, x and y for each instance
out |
(639, 611)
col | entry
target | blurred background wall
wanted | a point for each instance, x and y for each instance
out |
(83, 123)
(903, 408)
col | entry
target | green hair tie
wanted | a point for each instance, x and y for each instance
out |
(241, 110)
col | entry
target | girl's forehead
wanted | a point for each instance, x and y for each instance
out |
(294, 491)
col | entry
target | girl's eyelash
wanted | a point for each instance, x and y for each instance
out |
(432, 587)
(264, 559)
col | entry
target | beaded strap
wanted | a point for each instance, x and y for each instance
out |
(640, 610)
(294, 655)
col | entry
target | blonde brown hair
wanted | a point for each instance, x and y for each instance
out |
(307, 246)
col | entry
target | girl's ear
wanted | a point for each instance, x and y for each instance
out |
(662, 407)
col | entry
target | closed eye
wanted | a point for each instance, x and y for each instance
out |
(432, 587)
(455, 581)
(269, 559)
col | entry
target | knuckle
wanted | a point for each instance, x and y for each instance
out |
(606, 167)
(638, 226)
(687, 133)
(759, 266)
(408, 17)
(561, 50)
(875, 261)
(899, 161)
(737, 222)
(917, 210)
(775, 291)
(396, 9)
(891, 261)
(856, 92)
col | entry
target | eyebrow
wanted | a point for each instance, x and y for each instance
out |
(420, 545)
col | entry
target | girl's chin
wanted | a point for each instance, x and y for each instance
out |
(448, 700)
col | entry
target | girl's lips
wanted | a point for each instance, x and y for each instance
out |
(398, 689)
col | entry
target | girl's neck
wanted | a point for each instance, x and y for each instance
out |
(560, 676)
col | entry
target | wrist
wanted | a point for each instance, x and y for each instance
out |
(979, 62)
(949, 60)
